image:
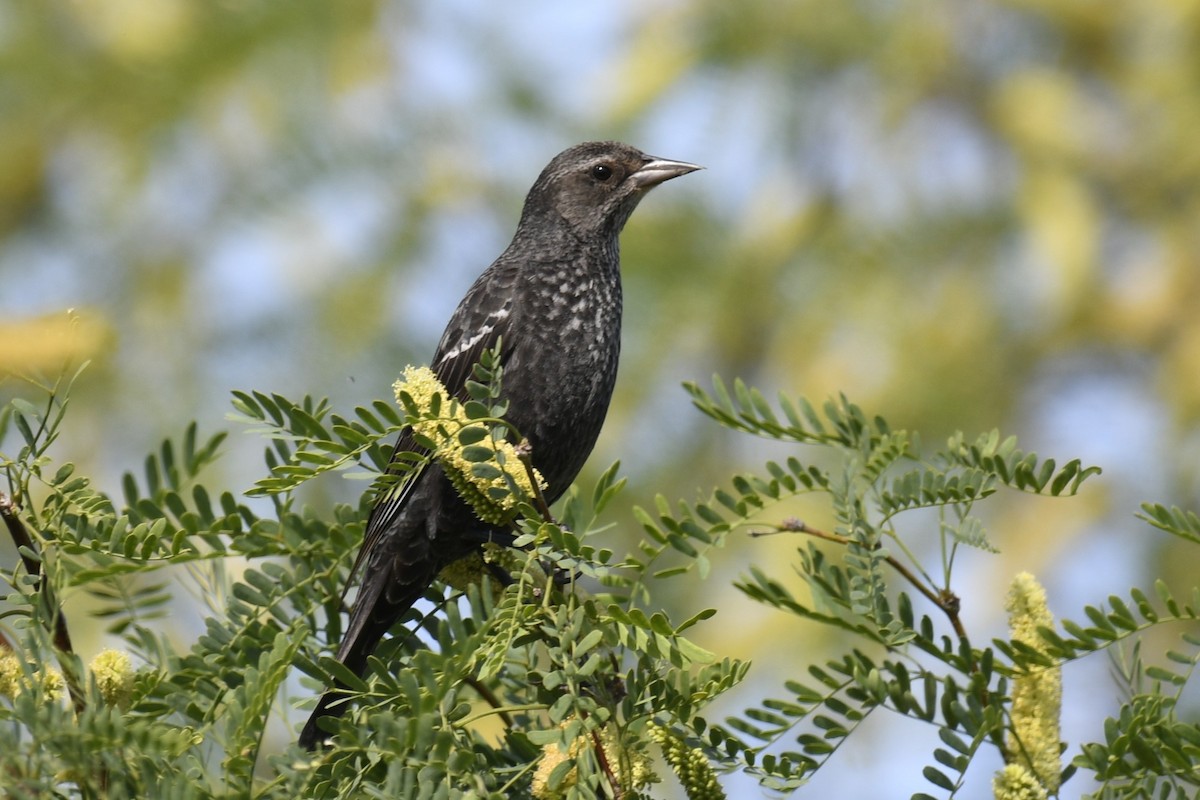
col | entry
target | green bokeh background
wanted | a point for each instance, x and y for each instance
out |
(961, 215)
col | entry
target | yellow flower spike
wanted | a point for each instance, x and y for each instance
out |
(690, 765)
(1015, 783)
(53, 684)
(1037, 694)
(552, 756)
(491, 496)
(632, 769)
(113, 672)
(13, 681)
(470, 570)
(10, 674)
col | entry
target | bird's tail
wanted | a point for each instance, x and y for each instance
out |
(375, 611)
(312, 735)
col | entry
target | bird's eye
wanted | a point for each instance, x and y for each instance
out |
(602, 172)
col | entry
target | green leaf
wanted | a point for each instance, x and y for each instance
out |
(472, 434)
(478, 454)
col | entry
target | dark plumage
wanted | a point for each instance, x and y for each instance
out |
(553, 298)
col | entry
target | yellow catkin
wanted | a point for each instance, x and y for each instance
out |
(632, 769)
(10, 674)
(112, 670)
(689, 764)
(1037, 694)
(13, 681)
(492, 498)
(1015, 783)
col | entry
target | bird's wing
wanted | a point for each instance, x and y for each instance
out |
(401, 478)
(481, 319)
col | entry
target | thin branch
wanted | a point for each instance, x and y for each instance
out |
(602, 759)
(33, 565)
(944, 599)
(16, 529)
(491, 699)
(504, 712)
(525, 453)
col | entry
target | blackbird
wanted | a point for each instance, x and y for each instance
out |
(553, 301)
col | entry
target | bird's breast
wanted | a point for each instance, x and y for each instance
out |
(559, 377)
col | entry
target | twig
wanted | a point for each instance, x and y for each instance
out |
(602, 759)
(525, 453)
(944, 599)
(20, 536)
(490, 698)
(33, 565)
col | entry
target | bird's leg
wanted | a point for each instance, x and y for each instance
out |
(508, 538)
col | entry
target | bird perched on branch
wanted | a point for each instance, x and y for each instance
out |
(553, 302)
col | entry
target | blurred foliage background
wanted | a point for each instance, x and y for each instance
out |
(961, 215)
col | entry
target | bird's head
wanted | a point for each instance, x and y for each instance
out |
(594, 187)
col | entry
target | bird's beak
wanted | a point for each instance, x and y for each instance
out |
(658, 170)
